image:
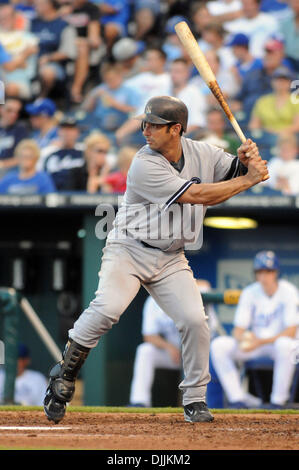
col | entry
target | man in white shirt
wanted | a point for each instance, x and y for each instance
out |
(154, 81)
(266, 324)
(188, 93)
(258, 26)
(284, 167)
(30, 385)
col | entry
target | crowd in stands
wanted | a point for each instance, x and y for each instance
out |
(76, 72)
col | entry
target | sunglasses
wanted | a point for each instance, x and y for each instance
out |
(100, 150)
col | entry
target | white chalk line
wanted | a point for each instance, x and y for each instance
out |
(35, 428)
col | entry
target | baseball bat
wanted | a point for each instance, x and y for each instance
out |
(189, 42)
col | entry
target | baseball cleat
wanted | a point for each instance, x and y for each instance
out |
(197, 412)
(54, 409)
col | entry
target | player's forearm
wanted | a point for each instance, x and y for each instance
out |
(157, 341)
(210, 194)
(290, 332)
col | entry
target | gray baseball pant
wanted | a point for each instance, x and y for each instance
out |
(170, 281)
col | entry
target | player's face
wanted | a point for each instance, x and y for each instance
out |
(267, 278)
(158, 136)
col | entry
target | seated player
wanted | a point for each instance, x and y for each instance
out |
(266, 324)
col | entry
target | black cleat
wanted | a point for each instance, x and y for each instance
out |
(197, 412)
(54, 409)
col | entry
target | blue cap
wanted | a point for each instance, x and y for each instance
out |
(265, 260)
(23, 351)
(170, 24)
(41, 106)
(239, 39)
(283, 72)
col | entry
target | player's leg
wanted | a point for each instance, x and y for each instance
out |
(225, 354)
(178, 295)
(148, 358)
(284, 368)
(118, 285)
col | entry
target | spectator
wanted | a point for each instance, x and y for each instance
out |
(115, 182)
(189, 94)
(172, 45)
(26, 9)
(226, 80)
(289, 29)
(275, 113)
(30, 385)
(146, 14)
(57, 44)
(154, 81)
(258, 82)
(200, 17)
(112, 101)
(115, 15)
(84, 16)
(223, 11)
(26, 180)
(284, 168)
(22, 47)
(127, 53)
(67, 156)
(42, 118)
(11, 132)
(258, 26)
(280, 9)
(213, 37)
(267, 314)
(245, 62)
(96, 164)
(217, 134)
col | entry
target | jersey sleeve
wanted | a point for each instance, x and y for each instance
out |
(227, 166)
(243, 314)
(156, 183)
(292, 308)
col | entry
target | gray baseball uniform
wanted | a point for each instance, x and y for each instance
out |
(144, 248)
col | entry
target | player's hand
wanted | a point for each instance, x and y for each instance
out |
(250, 342)
(248, 150)
(257, 170)
(174, 353)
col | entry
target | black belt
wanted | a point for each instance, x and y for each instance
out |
(149, 246)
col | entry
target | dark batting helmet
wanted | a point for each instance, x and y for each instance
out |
(266, 260)
(165, 110)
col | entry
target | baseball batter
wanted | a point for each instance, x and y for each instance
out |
(266, 324)
(169, 174)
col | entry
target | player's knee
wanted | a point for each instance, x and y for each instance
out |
(195, 322)
(222, 345)
(283, 346)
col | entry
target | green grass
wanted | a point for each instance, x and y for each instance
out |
(121, 409)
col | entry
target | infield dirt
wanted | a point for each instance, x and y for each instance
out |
(141, 431)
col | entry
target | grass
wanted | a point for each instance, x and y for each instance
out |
(121, 409)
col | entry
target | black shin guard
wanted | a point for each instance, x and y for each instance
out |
(62, 380)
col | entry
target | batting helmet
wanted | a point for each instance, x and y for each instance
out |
(165, 110)
(266, 260)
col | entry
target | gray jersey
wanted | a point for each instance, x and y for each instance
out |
(149, 211)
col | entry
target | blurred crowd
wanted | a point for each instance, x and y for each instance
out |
(76, 72)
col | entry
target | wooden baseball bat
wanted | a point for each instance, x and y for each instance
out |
(189, 42)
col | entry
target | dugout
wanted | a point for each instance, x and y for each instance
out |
(50, 254)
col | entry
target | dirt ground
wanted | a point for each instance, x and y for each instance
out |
(128, 431)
